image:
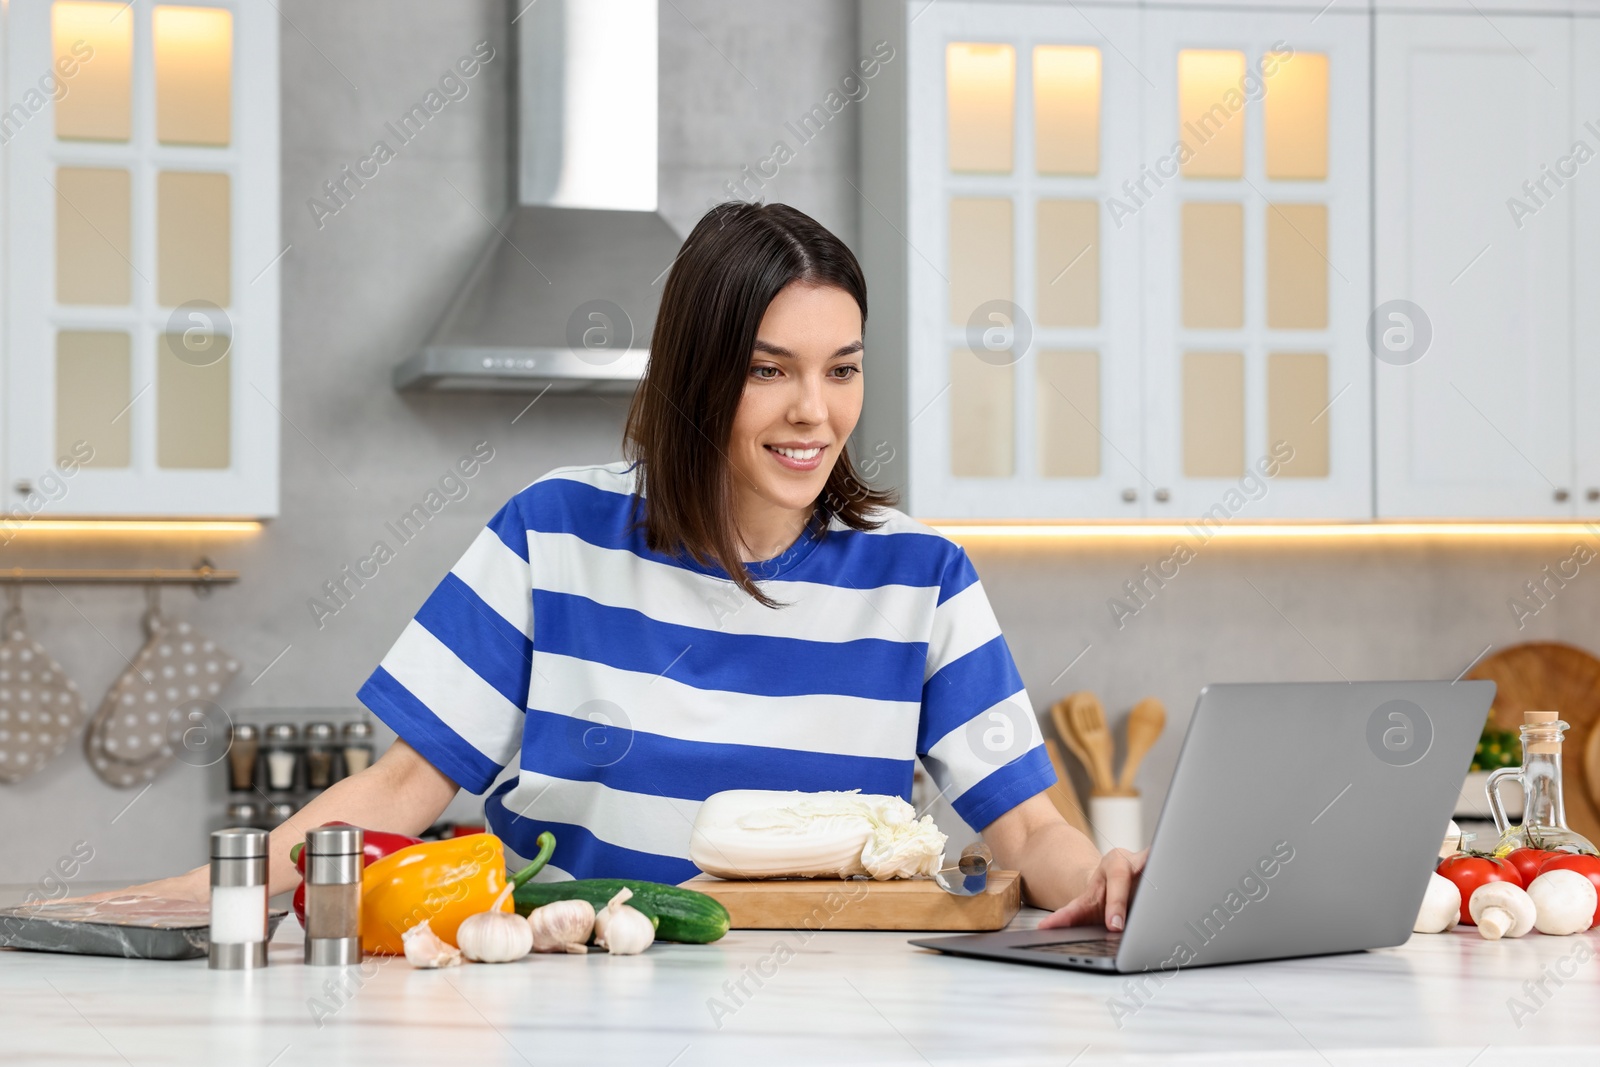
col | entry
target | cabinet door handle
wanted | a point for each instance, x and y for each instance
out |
(1561, 496)
(1592, 495)
(1129, 496)
(1162, 496)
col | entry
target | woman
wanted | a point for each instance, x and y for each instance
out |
(730, 608)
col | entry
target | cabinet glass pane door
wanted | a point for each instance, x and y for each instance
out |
(142, 206)
(194, 75)
(94, 386)
(1032, 266)
(1066, 109)
(1211, 113)
(981, 80)
(175, 340)
(1256, 341)
(93, 57)
(94, 235)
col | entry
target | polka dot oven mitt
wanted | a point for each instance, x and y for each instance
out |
(144, 714)
(40, 707)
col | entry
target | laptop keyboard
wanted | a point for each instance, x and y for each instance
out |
(1103, 949)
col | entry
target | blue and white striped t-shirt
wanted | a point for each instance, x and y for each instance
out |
(632, 685)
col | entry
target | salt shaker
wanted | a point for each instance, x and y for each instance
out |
(333, 895)
(283, 756)
(238, 899)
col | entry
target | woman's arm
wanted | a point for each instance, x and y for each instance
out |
(401, 792)
(1061, 869)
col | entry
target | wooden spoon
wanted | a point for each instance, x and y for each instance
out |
(1058, 713)
(1088, 721)
(1145, 723)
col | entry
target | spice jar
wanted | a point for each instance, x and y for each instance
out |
(279, 812)
(357, 747)
(319, 755)
(238, 899)
(243, 813)
(282, 756)
(243, 743)
(333, 896)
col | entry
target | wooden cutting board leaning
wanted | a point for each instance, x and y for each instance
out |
(1551, 676)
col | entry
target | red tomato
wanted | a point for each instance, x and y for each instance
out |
(1469, 871)
(1527, 862)
(1585, 863)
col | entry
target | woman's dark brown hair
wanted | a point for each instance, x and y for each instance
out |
(738, 257)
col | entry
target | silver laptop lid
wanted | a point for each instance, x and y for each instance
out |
(1302, 819)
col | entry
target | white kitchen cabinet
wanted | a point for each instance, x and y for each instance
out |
(1586, 267)
(141, 250)
(1474, 226)
(1256, 265)
(1029, 356)
(1003, 346)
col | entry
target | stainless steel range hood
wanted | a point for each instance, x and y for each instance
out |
(564, 297)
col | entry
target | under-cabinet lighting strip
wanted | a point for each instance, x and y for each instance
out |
(1371, 531)
(20, 525)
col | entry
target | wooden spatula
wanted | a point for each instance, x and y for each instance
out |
(1069, 737)
(1087, 720)
(1145, 723)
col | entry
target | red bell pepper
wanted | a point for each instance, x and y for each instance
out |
(375, 845)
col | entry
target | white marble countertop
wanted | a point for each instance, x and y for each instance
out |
(832, 998)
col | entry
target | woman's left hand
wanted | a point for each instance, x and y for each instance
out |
(1111, 887)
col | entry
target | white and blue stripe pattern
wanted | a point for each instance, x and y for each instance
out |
(651, 682)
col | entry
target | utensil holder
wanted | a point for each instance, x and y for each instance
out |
(1118, 822)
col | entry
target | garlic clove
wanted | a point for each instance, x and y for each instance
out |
(494, 937)
(621, 930)
(427, 950)
(559, 925)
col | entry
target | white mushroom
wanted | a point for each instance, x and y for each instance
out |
(1501, 909)
(1441, 906)
(1563, 901)
(1452, 841)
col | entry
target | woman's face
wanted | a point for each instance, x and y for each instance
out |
(802, 397)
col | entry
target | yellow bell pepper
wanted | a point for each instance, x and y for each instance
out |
(440, 881)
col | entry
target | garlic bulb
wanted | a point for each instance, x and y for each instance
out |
(562, 926)
(495, 936)
(761, 833)
(621, 930)
(428, 950)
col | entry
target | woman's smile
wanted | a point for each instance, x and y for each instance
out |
(805, 456)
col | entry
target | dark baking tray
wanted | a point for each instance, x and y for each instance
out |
(137, 930)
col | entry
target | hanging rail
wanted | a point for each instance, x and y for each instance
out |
(202, 574)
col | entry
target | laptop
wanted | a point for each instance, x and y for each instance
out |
(1303, 819)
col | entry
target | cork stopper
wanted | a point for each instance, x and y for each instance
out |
(1549, 738)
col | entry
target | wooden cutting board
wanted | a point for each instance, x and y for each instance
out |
(1550, 676)
(831, 904)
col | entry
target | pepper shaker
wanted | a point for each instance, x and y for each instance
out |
(282, 757)
(238, 899)
(357, 747)
(333, 896)
(319, 755)
(245, 743)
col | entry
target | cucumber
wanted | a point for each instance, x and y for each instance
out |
(680, 914)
